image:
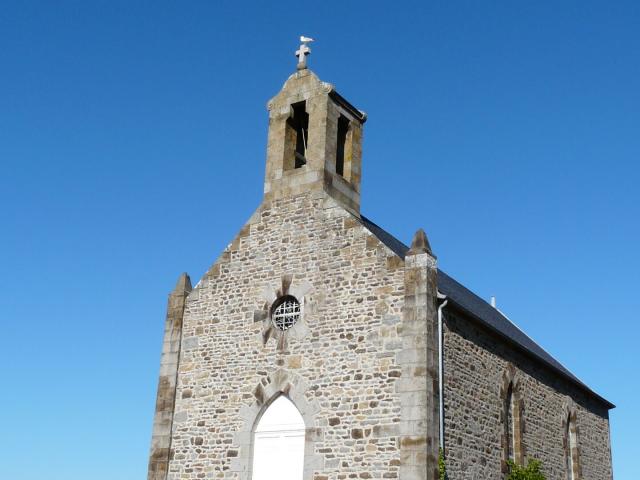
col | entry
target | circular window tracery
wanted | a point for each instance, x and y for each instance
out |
(285, 313)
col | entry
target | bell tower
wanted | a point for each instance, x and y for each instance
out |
(315, 139)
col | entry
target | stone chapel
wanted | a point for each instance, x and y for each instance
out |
(320, 347)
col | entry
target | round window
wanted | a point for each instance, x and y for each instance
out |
(285, 313)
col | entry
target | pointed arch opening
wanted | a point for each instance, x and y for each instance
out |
(258, 419)
(278, 442)
(511, 414)
(572, 454)
(509, 432)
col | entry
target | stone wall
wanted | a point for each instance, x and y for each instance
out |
(475, 363)
(339, 366)
(350, 366)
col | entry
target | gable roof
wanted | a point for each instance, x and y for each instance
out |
(484, 313)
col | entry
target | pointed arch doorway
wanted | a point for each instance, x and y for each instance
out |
(278, 443)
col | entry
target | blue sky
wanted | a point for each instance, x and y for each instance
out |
(132, 146)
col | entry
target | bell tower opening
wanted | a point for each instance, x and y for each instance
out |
(343, 132)
(297, 136)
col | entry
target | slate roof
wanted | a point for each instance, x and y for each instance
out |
(484, 313)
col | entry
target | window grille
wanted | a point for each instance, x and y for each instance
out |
(286, 313)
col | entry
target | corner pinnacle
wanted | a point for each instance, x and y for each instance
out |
(184, 284)
(420, 244)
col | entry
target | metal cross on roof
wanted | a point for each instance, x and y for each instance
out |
(303, 51)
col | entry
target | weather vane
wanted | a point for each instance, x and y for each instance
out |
(303, 51)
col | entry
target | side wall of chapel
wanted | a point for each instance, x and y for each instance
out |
(476, 362)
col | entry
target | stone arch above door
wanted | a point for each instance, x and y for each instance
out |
(270, 387)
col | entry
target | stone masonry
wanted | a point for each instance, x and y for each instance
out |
(475, 360)
(361, 364)
(418, 385)
(161, 441)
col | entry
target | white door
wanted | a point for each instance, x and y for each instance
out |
(278, 443)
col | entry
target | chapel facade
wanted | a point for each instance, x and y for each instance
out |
(379, 359)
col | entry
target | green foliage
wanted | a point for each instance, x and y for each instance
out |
(529, 472)
(442, 467)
